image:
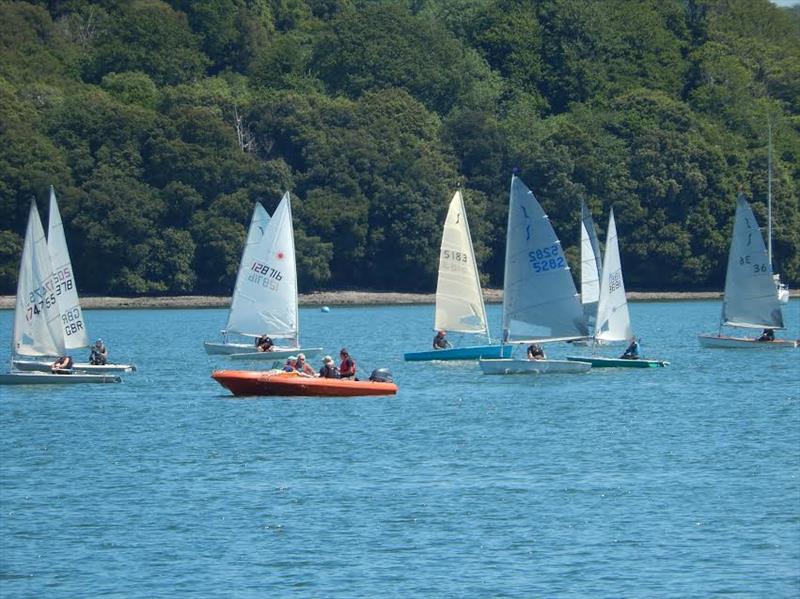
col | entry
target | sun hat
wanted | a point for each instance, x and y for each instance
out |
(292, 359)
(327, 360)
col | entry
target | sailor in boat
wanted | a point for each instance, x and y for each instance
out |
(439, 342)
(632, 353)
(347, 368)
(767, 335)
(304, 367)
(264, 343)
(328, 370)
(63, 365)
(535, 352)
(99, 355)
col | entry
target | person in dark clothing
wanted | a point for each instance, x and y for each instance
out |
(767, 335)
(328, 370)
(535, 352)
(264, 343)
(64, 363)
(632, 353)
(439, 342)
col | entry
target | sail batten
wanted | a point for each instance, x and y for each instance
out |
(750, 297)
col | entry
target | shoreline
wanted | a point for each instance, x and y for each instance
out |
(343, 298)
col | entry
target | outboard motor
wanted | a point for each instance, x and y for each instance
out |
(381, 375)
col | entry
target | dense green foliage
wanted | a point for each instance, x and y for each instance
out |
(160, 123)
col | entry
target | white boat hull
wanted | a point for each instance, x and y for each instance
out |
(41, 378)
(721, 341)
(84, 367)
(282, 354)
(228, 348)
(512, 366)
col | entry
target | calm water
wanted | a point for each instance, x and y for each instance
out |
(671, 482)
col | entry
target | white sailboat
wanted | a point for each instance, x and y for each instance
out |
(265, 296)
(613, 318)
(72, 319)
(459, 297)
(540, 302)
(38, 329)
(591, 267)
(781, 288)
(750, 300)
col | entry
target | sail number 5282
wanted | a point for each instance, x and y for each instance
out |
(545, 259)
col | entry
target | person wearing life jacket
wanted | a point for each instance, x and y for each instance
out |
(264, 343)
(63, 365)
(328, 370)
(347, 368)
(291, 362)
(632, 353)
(99, 355)
(535, 352)
(439, 342)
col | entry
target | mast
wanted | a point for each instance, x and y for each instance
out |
(769, 193)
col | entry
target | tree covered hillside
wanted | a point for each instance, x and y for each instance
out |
(160, 123)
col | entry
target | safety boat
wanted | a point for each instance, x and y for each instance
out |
(294, 384)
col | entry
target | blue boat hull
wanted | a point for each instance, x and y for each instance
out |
(473, 352)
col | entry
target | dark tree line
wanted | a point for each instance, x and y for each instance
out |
(160, 123)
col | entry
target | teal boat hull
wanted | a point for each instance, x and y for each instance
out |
(473, 352)
(618, 362)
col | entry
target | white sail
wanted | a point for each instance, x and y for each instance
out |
(540, 301)
(750, 298)
(37, 320)
(459, 299)
(66, 289)
(613, 319)
(243, 315)
(590, 265)
(265, 298)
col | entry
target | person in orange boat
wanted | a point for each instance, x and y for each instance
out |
(347, 369)
(328, 370)
(303, 367)
(291, 362)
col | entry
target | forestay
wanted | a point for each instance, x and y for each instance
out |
(540, 301)
(265, 299)
(73, 323)
(590, 265)
(750, 298)
(613, 318)
(459, 299)
(37, 320)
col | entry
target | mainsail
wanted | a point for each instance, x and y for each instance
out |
(37, 320)
(590, 265)
(750, 298)
(75, 334)
(540, 301)
(265, 297)
(459, 299)
(613, 319)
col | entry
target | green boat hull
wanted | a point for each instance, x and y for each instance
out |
(618, 362)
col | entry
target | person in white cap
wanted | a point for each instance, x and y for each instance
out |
(328, 370)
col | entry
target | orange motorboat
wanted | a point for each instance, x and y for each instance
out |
(245, 382)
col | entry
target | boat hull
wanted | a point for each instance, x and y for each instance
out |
(83, 367)
(510, 366)
(275, 355)
(618, 362)
(289, 384)
(473, 352)
(721, 341)
(40, 378)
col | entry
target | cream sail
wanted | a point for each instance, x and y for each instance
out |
(459, 298)
(613, 318)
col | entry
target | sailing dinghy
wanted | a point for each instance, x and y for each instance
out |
(73, 323)
(459, 298)
(38, 328)
(750, 300)
(613, 322)
(265, 296)
(540, 302)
